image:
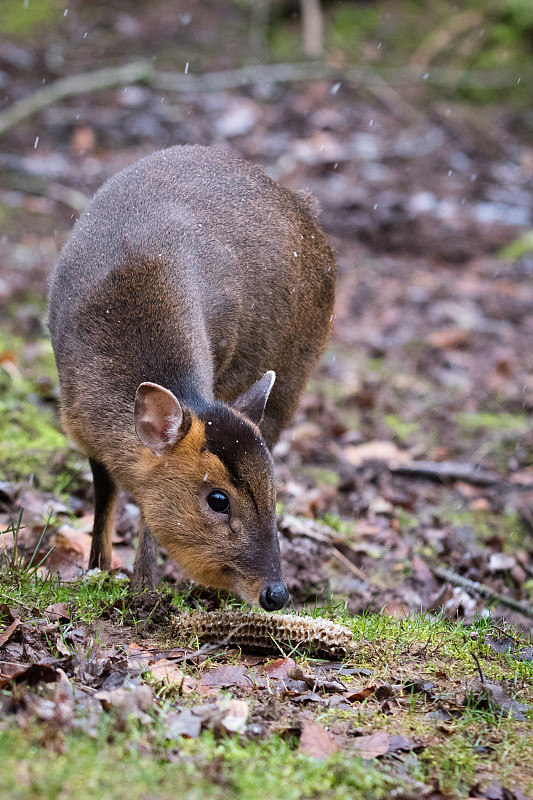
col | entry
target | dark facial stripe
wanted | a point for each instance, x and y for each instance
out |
(241, 450)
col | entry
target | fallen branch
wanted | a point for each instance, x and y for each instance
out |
(74, 84)
(447, 471)
(381, 85)
(483, 590)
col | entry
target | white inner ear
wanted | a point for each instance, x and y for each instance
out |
(157, 417)
(173, 427)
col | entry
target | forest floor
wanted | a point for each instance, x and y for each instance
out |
(405, 482)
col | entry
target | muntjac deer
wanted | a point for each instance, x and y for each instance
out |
(187, 310)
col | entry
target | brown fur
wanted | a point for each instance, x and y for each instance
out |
(194, 271)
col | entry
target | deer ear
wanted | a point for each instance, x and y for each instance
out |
(158, 418)
(252, 402)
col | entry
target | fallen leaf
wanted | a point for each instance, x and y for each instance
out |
(279, 668)
(70, 554)
(83, 140)
(315, 741)
(402, 743)
(498, 700)
(29, 674)
(139, 657)
(449, 338)
(372, 746)
(167, 672)
(500, 562)
(356, 455)
(57, 611)
(8, 631)
(226, 676)
(235, 716)
(316, 682)
(60, 708)
(9, 670)
(187, 723)
(360, 695)
(127, 702)
(523, 478)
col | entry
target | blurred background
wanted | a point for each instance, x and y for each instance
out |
(411, 122)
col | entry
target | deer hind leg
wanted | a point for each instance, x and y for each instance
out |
(105, 499)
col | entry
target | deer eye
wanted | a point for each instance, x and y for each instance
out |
(218, 501)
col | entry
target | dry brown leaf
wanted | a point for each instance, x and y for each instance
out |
(83, 140)
(315, 741)
(360, 695)
(226, 676)
(139, 657)
(374, 451)
(185, 723)
(27, 673)
(279, 668)
(127, 702)
(57, 611)
(372, 746)
(8, 631)
(60, 708)
(235, 716)
(167, 672)
(500, 701)
(9, 670)
(449, 338)
(70, 554)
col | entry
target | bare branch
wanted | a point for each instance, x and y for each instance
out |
(483, 590)
(380, 85)
(74, 84)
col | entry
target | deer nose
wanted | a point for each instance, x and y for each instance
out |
(274, 597)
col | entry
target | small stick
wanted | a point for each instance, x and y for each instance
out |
(447, 471)
(483, 590)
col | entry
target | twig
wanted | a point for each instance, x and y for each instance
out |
(354, 569)
(439, 39)
(478, 665)
(286, 73)
(447, 471)
(381, 85)
(212, 82)
(483, 590)
(74, 84)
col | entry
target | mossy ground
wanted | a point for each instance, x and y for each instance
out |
(462, 742)
(32, 441)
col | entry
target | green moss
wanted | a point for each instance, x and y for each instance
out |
(519, 248)
(351, 24)
(321, 475)
(285, 42)
(344, 527)
(31, 441)
(406, 519)
(116, 765)
(487, 525)
(23, 17)
(471, 422)
(402, 430)
(29, 437)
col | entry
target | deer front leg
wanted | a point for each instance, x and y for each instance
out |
(105, 499)
(145, 560)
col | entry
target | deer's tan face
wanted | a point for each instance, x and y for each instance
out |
(209, 499)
